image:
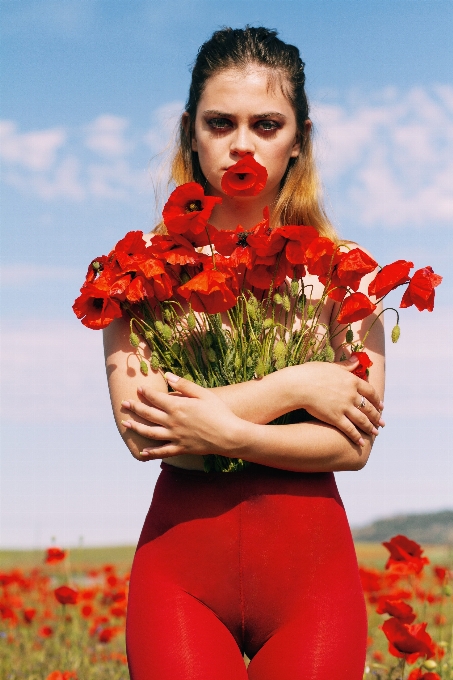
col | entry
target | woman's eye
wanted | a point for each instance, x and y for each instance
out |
(267, 125)
(219, 123)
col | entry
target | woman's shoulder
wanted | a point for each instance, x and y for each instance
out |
(353, 244)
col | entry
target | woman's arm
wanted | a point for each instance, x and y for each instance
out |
(193, 420)
(124, 378)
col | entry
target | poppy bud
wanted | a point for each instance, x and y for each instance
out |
(211, 355)
(148, 335)
(237, 362)
(260, 369)
(268, 323)
(164, 330)
(286, 303)
(294, 288)
(395, 333)
(429, 664)
(349, 335)
(208, 339)
(144, 367)
(167, 314)
(251, 311)
(191, 321)
(328, 354)
(249, 362)
(447, 590)
(155, 363)
(278, 299)
(159, 326)
(253, 301)
(134, 340)
(280, 363)
(279, 350)
(310, 311)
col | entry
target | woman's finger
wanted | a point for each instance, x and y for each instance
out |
(149, 413)
(149, 431)
(365, 389)
(157, 452)
(347, 427)
(361, 421)
(369, 411)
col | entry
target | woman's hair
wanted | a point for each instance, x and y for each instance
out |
(298, 201)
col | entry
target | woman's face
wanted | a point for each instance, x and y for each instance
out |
(245, 112)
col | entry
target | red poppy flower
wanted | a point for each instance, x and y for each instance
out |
(54, 555)
(391, 276)
(372, 580)
(397, 608)
(29, 614)
(45, 631)
(364, 364)
(418, 674)
(351, 268)
(65, 675)
(95, 267)
(440, 573)
(245, 178)
(188, 210)
(211, 291)
(128, 251)
(420, 291)
(321, 256)
(94, 307)
(355, 307)
(404, 552)
(409, 642)
(107, 634)
(86, 610)
(174, 249)
(378, 656)
(66, 595)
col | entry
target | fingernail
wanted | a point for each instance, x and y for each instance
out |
(126, 404)
(144, 452)
(361, 442)
(381, 405)
(375, 431)
(171, 377)
(126, 423)
(381, 423)
(140, 389)
(353, 358)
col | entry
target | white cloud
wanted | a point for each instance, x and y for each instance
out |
(35, 151)
(105, 135)
(387, 159)
(390, 158)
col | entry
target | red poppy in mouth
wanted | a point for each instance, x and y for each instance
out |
(245, 178)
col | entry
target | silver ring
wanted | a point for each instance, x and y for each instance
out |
(362, 402)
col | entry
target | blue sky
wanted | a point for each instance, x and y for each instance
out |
(90, 97)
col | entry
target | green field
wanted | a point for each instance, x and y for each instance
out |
(45, 640)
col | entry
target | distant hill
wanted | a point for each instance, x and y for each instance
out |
(430, 528)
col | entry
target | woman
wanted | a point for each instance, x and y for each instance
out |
(259, 562)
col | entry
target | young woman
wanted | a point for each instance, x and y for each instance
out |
(259, 562)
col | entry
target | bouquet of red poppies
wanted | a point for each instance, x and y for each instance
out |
(225, 306)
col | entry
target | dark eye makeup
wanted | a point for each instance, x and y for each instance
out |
(221, 124)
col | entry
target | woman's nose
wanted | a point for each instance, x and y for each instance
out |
(242, 142)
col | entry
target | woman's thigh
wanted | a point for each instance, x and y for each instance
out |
(172, 635)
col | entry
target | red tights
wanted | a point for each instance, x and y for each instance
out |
(259, 562)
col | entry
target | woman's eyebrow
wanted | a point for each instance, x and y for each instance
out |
(223, 114)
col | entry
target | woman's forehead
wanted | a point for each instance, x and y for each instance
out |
(258, 86)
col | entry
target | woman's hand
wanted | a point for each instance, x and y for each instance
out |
(197, 423)
(333, 394)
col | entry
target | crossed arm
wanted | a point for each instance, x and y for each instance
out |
(231, 420)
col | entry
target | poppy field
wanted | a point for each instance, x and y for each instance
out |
(62, 614)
